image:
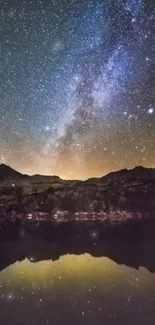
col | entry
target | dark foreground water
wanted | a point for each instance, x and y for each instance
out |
(76, 290)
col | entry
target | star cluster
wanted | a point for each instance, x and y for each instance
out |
(77, 87)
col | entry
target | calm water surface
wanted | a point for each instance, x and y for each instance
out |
(76, 290)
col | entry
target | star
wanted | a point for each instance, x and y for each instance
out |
(47, 128)
(151, 110)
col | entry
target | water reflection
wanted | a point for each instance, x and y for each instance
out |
(76, 290)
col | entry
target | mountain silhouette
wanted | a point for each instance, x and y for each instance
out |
(7, 172)
(120, 194)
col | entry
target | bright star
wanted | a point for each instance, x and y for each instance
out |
(151, 111)
(47, 128)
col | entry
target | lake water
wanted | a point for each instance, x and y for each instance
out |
(76, 290)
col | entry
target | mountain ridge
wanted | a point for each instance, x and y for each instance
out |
(10, 172)
(121, 194)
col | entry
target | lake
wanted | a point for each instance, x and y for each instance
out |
(76, 290)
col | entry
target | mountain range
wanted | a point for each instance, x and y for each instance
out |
(10, 176)
(121, 193)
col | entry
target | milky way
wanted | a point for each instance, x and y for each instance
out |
(77, 92)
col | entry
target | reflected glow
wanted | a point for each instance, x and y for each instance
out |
(76, 289)
(71, 267)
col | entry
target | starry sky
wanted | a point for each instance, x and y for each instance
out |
(77, 86)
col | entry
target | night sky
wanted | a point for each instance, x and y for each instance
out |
(77, 86)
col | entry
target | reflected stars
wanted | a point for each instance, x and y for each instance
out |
(90, 288)
(94, 234)
(10, 297)
(32, 259)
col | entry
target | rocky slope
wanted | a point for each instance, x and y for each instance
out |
(10, 178)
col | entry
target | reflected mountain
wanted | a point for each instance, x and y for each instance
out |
(132, 245)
